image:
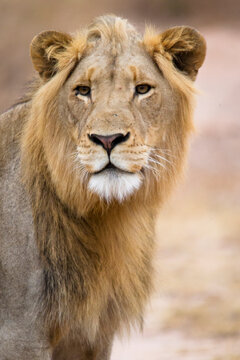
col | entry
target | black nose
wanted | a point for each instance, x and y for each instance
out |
(108, 142)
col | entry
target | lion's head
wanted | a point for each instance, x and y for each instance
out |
(114, 109)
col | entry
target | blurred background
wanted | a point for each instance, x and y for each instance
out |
(195, 310)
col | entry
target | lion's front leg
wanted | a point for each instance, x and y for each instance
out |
(69, 349)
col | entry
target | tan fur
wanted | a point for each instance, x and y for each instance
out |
(97, 254)
(182, 44)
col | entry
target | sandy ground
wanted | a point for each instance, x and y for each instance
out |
(195, 311)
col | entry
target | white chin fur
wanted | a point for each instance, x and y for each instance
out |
(112, 184)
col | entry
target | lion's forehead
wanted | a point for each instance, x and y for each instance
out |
(128, 66)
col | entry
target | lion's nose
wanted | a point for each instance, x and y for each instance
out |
(108, 142)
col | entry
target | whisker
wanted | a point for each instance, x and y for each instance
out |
(168, 152)
(157, 162)
(148, 166)
(163, 158)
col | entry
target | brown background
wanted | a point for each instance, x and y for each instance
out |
(195, 311)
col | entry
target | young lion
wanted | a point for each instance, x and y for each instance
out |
(86, 160)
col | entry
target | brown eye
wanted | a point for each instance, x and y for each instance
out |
(82, 90)
(143, 89)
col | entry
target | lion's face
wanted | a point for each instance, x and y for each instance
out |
(116, 107)
(115, 110)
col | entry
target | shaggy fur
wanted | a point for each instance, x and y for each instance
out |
(94, 238)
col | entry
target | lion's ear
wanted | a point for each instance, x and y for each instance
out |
(46, 49)
(183, 45)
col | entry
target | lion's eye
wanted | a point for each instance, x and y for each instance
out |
(143, 88)
(82, 90)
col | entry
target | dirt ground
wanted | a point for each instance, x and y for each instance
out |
(195, 310)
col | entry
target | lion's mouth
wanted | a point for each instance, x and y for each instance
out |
(110, 167)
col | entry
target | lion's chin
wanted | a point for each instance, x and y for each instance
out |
(114, 184)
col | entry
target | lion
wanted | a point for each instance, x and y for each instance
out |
(87, 158)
